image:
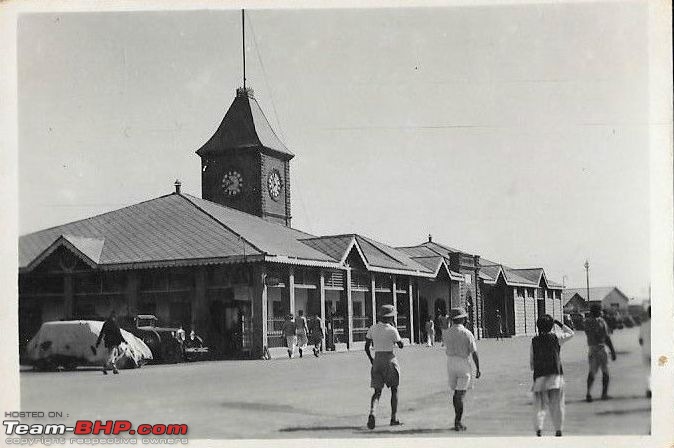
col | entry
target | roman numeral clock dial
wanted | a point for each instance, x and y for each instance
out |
(274, 184)
(232, 182)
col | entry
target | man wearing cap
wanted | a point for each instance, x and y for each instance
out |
(385, 370)
(459, 347)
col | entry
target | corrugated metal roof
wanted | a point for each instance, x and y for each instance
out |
(334, 246)
(418, 251)
(430, 263)
(91, 247)
(166, 228)
(244, 126)
(382, 255)
(268, 237)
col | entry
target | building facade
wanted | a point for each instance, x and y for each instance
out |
(229, 266)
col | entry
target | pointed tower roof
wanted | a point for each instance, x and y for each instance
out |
(244, 127)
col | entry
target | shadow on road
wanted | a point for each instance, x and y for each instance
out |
(320, 428)
(612, 400)
(625, 411)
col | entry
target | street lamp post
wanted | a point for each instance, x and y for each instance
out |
(587, 279)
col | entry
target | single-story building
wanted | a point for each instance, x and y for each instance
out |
(610, 297)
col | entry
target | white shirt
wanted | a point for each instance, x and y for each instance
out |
(459, 341)
(384, 337)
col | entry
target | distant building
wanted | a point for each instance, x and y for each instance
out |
(610, 297)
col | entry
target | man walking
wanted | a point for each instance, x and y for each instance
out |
(316, 333)
(385, 370)
(302, 332)
(598, 339)
(290, 333)
(459, 347)
(112, 336)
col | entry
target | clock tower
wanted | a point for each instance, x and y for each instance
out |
(244, 165)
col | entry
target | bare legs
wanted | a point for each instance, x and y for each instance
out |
(457, 400)
(374, 402)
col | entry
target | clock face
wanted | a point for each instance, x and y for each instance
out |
(232, 182)
(274, 184)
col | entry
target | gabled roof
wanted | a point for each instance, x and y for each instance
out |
(172, 229)
(535, 275)
(596, 293)
(244, 126)
(435, 264)
(168, 228)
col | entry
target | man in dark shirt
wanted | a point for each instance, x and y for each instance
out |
(112, 336)
(598, 339)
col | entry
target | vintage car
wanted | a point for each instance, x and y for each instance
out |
(69, 344)
(163, 341)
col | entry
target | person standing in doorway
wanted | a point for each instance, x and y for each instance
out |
(598, 339)
(112, 338)
(289, 331)
(430, 332)
(546, 363)
(645, 343)
(302, 331)
(499, 326)
(459, 347)
(385, 370)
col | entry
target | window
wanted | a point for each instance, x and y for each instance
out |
(468, 279)
(357, 308)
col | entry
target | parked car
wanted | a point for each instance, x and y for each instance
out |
(69, 344)
(161, 340)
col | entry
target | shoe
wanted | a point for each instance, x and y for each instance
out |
(588, 398)
(606, 397)
(105, 372)
(458, 426)
(370, 421)
(395, 423)
(538, 433)
(648, 394)
(558, 433)
(115, 371)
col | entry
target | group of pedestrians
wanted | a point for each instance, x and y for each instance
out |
(460, 347)
(297, 333)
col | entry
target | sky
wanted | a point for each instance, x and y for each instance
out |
(519, 133)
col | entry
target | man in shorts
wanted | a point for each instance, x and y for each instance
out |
(598, 339)
(459, 347)
(290, 333)
(385, 370)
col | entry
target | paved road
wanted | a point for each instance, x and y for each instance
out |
(329, 397)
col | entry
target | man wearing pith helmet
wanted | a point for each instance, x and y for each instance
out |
(459, 347)
(385, 370)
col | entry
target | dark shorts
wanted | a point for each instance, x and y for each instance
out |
(385, 371)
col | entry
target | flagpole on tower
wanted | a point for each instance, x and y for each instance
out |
(243, 45)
